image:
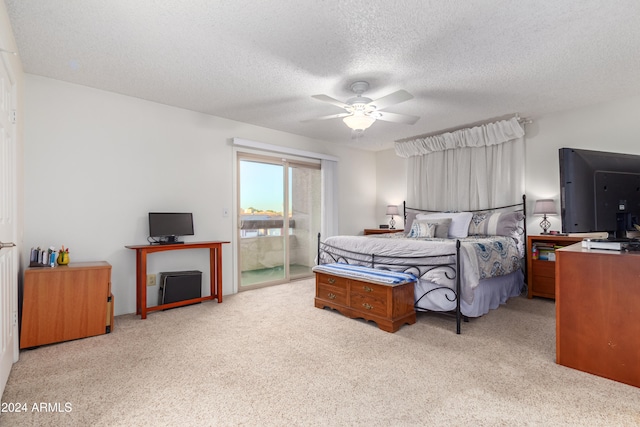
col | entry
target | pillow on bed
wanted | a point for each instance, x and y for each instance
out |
(422, 229)
(495, 224)
(442, 226)
(408, 222)
(460, 221)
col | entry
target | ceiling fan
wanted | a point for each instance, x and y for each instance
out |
(362, 112)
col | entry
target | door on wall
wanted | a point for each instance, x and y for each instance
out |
(8, 253)
(279, 219)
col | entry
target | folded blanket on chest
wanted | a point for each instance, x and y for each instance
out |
(366, 274)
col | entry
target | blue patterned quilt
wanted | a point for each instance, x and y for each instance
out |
(495, 255)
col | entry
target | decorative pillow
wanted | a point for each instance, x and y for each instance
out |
(442, 226)
(495, 224)
(422, 229)
(460, 221)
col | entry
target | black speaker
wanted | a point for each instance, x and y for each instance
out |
(179, 286)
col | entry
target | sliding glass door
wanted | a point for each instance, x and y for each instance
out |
(279, 217)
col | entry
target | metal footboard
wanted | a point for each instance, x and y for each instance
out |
(419, 266)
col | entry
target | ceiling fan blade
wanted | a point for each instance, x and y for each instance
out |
(396, 118)
(331, 116)
(391, 99)
(330, 100)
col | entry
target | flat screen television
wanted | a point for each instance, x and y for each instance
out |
(599, 191)
(168, 227)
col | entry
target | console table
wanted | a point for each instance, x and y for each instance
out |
(597, 300)
(215, 273)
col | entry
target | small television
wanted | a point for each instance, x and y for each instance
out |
(168, 227)
(599, 191)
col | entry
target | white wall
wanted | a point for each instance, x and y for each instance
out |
(97, 162)
(613, 126)
(391, 183)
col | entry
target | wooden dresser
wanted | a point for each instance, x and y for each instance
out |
(390, 306)
(66, 302)
(597, 302)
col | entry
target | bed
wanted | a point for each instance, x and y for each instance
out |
(466, 263)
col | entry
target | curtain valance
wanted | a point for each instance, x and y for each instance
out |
(479, 136)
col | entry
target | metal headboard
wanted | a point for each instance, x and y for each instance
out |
(520, 207)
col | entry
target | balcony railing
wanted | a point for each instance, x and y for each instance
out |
(264, 227)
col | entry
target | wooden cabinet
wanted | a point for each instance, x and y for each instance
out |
(541, 274)
(390, 306)
(597, 300)
(368, 231)
(66, 302)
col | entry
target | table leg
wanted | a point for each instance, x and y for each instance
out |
(215, 272)
(138, 296)
(219, 271)
(142, 279)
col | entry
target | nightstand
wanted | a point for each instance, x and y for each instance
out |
(541, 273)
(368, 231)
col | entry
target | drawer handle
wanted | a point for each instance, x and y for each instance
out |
(331, 280)
(367, 289)
(331, 296)
(367, 306)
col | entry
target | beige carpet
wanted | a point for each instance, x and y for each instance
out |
(269, 357)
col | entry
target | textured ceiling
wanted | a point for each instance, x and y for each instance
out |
(260, 61)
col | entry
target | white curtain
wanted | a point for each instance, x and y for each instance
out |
(329, 225)
(475, 168)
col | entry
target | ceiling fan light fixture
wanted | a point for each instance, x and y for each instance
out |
(359, 121)
(361, 112)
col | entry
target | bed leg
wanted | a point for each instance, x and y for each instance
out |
(458, 288)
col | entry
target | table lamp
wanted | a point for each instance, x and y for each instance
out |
(545, 207)
(392, 210)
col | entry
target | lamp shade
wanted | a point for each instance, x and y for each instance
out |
(392, 210)
(358, 121)
(545, 207)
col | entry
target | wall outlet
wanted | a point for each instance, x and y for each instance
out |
(151, 279)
